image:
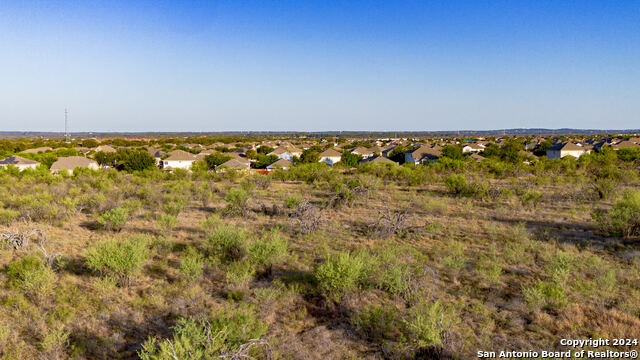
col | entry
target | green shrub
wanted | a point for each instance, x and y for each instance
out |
(239, 273)
(120, 258)
(7, 216)
(291, 202)
(374, 322)
(210, 223)
(191, 264)
(531, 198)
(341, 273)
(268, 250)
(31, 276)
(429, 324)
(227, 243)
(173, 207)
(207, 339)
(623, 218)
(393, 278)
(113, 219)
(167, 222)
(237, 202)
(456, 184)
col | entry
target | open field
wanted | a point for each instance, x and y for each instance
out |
(383, 261)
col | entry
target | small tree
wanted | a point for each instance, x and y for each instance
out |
(452, 152)
(216, 159)
(350, 159)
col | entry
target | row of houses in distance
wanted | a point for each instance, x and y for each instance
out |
(376, 151)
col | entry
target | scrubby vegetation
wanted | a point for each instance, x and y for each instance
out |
(381, 261)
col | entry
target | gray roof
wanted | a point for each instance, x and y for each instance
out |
(18, 160)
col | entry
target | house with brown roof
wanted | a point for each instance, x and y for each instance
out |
(363, 151)
(283, 164)
(286, 151)
(473, 147)
(563, 149)
(235, 163)
(378, 159)
(19, 162)
(330, 156)
(424, 153)
(71, 162)
(37, 150)
(179, 159)
(105, 148)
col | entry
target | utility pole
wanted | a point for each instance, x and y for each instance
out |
(67, 136)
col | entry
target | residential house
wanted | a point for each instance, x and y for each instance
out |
(157, 154)
(378, 159)
(105, 148)
(37, 150)
(283, 164)
(237, 163)
(286, 152)
(424, 153)
(473, 147)
(330, 156)
(19, 162)
(71, 162)
(179, 159)
(363, 151)
(563, 149)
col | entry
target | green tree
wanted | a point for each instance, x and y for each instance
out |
(264, 149)
(350, 159)
(134, 160)
(310, 155)
(264, 160)
(452, 152)
(216, 159)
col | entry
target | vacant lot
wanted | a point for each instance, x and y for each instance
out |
(439, 261)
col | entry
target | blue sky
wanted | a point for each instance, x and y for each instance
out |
(319, 65)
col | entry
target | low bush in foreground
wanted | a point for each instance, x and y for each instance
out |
(120, 258)
(233, 335)
(341, 273)
(31, 276)
(623, 218)
(113, 219)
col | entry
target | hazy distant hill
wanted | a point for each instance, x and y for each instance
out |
(497, 132)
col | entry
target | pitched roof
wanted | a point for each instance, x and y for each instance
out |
(18, 160)
(280, 163)
(361, 150)
(72, 162)
(106, 148)
(180, 155)
(37, 150)
(286, 148)
(236, 163)
(379, 159)
(626, 144)
(330, 153)
(427, 152)
(566, 146)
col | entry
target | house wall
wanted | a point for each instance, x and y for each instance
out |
(408, 158)
(182, 164)
(574, 153)
(553, 154)
(331, 160)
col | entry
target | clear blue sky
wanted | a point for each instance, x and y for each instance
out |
(321, 65)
